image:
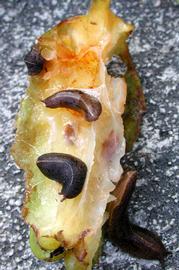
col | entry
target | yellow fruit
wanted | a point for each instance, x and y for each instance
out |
(73, 56)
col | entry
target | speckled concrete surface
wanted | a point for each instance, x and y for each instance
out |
(155, 49)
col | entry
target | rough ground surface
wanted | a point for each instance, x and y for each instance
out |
(155, 49)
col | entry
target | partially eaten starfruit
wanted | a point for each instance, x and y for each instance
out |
(70, 132)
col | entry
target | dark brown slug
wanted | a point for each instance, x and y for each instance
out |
(131, 238)
(57, 252)
(142, 243)
(76, 100)
(34, 61)
(123, 193)
(66, 170)
(116, 67)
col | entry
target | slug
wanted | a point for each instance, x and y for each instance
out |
(76, 100)
(65, 169)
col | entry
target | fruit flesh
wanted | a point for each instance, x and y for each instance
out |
(75, 53)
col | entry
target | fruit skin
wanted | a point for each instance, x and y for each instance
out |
(41, 253)
(37, 251)
(48, 243)
(135, 106)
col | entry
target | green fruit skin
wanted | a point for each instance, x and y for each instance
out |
(40, 253)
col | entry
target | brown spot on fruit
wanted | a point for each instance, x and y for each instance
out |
(110, 145)
(69, 133)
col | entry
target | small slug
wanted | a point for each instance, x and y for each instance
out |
(116, 67)
(70, 133)
(57, 252)
(66, 170)
(34, 61)
(76, 100)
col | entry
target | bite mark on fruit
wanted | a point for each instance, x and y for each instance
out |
(70, 133)
(110, 145)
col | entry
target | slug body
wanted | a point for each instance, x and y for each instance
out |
(85, 127)
(76, 100)
(34, 61)
(65, 169)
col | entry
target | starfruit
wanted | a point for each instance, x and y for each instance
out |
(71, 57)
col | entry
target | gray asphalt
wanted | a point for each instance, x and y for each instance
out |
(155, 50)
